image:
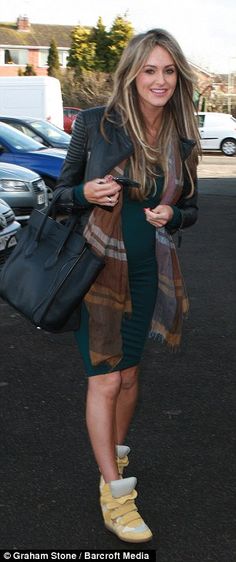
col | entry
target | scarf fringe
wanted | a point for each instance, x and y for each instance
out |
(158, 337)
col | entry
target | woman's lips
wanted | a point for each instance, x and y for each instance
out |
(159, 91)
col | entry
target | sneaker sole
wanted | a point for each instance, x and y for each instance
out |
(127, 540)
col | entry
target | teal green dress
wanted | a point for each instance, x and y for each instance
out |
(139, 240)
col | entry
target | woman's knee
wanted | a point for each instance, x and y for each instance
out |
(129, 378)
(105, 385)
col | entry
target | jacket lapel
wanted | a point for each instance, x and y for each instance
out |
(104, 154)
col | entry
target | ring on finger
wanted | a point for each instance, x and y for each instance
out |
(109, 198)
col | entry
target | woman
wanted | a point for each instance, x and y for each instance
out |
(147, 132)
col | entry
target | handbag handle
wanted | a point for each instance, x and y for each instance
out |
(53, 259)
(48, 213)
(34, 244)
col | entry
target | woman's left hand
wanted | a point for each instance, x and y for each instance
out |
(160, 215)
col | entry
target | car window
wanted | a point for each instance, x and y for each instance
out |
(200, 120)
(17, 126)
(18, 140)
(23, 129)
(50, 131)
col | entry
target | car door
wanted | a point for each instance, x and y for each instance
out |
(209, 132)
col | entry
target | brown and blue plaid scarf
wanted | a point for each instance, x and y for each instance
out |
(109, 297)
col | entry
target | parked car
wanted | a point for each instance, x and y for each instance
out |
(39, 130)
(9, 229)
(218, 132)
(17, 148)
(23, 190)
(70, 114)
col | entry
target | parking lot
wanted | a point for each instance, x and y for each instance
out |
(183, 436)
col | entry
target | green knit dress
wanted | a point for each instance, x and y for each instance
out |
(139, 240)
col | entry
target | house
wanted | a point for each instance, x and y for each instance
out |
(24, 43)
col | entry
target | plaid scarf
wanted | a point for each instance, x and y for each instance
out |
(109, 297)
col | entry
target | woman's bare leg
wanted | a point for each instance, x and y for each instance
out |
(126, 402)
(103, 391)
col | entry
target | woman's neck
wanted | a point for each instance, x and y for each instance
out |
(152, 121)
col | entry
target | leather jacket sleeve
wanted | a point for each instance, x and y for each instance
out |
(188, 205)
(73, 169)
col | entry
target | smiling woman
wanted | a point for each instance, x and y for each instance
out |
(147, 132)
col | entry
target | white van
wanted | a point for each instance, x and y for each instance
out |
(32, 96)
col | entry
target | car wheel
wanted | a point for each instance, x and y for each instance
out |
(228, 147)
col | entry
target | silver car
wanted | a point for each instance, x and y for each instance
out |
(23, 189)
(9, 228)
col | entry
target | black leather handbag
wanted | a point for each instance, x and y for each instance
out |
(49, 271)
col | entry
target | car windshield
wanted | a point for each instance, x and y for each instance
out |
(18, 140)
(50, 131)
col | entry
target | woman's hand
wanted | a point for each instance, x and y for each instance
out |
(102, 191)
(160, 215)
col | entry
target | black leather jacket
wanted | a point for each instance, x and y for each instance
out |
(91, 156)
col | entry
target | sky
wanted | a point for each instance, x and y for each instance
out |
(205, 29)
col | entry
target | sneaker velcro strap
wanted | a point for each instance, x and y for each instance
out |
(112, 503)
(123, 510)
(124, 499)
(132, 517)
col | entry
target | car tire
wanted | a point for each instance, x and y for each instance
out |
(228, 147)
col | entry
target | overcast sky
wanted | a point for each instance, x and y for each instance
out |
(205, 29)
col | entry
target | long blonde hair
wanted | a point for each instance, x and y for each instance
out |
(178, 116)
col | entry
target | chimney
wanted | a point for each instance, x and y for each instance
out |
(23, 23)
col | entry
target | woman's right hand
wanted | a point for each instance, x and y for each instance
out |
(102, 191)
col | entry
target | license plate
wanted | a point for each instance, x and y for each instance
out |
(7, 241)
(41, 198)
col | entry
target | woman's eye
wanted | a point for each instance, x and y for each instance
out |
(170, 71)
(149, 70)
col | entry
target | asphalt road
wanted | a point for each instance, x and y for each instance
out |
(182, 437)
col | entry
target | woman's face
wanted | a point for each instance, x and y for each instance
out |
(156, 80)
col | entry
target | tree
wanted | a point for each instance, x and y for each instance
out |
(29, 70)
(86, 89)
(120, 34)
(96, 49)
(82, 51)
(100, 37)
(53, 60)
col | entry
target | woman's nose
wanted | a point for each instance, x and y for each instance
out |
(160, 78)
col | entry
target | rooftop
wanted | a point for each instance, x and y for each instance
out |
(26, 34)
